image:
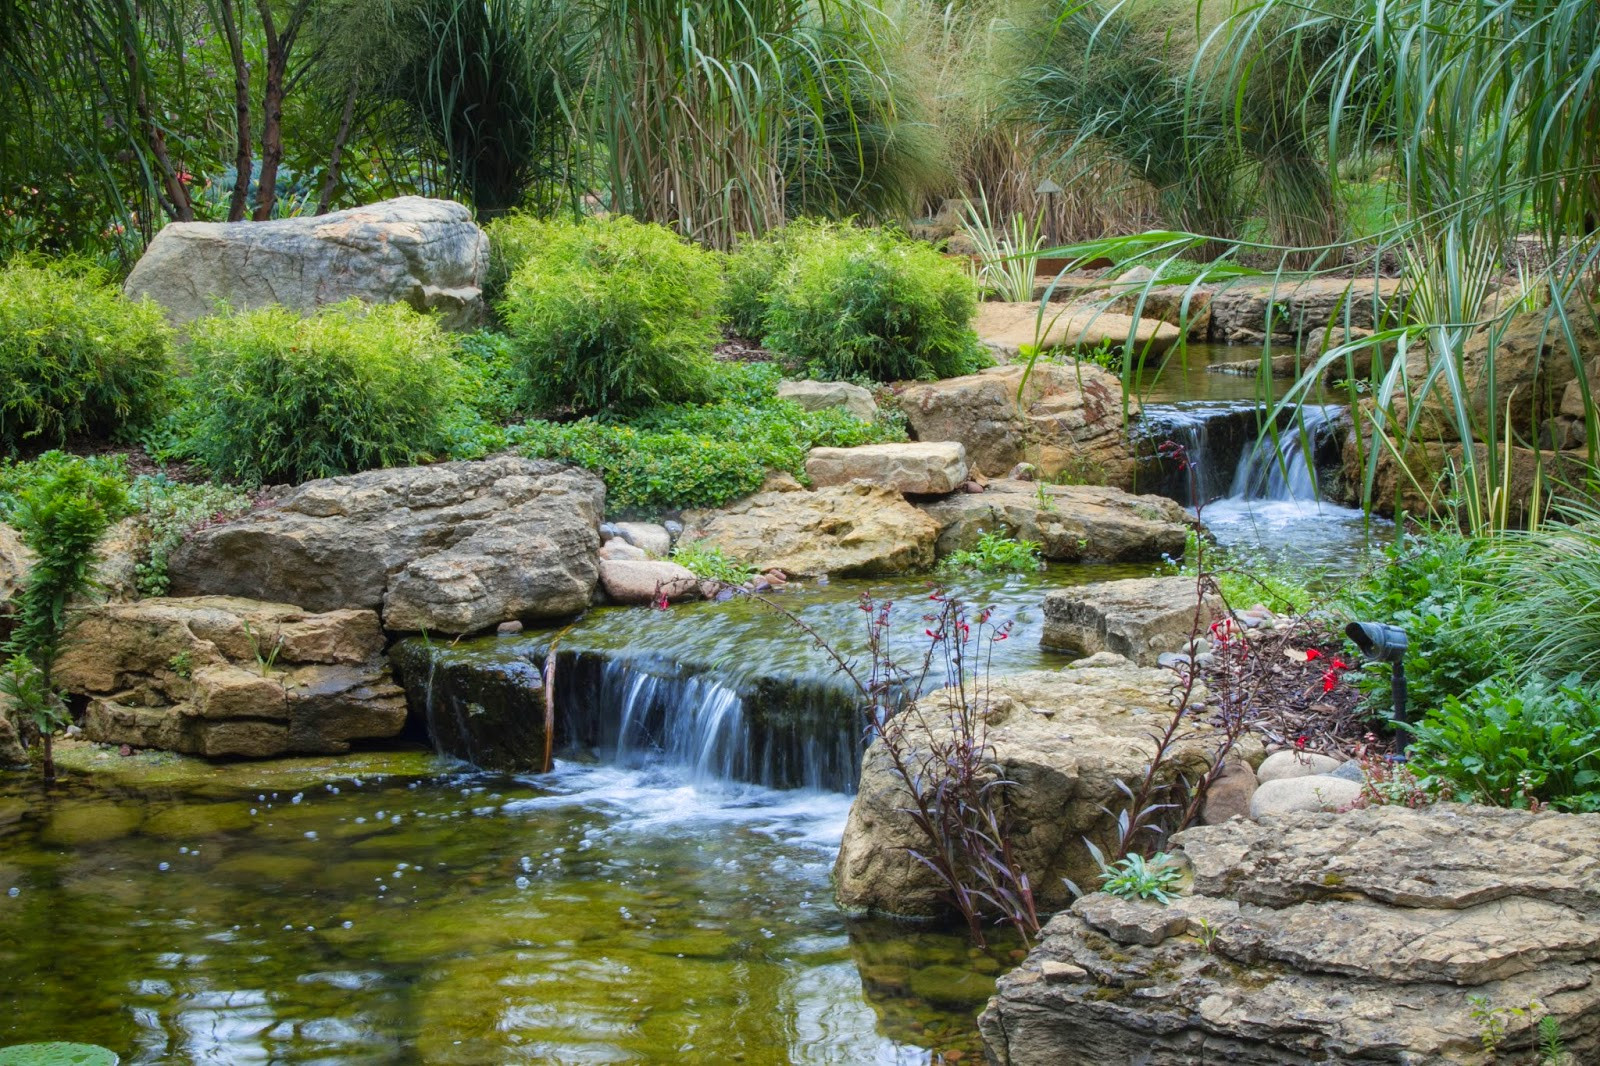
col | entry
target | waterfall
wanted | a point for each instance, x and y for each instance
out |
(482, 701)
(1287, 472)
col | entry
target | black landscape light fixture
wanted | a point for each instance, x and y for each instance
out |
(1386, 644)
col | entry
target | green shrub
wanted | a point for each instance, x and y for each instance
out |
(490, 384)
(168, 511)
(1434, 587)
(756, 268)
(513, 238)
(1510, 743)
(613, 316)
(703, 455)
(996, 553)
(76, 356)
(711, 563)
(350, 388)
(869, 304)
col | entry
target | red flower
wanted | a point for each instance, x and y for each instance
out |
(1001, 636)
(1329, 680)
(1300, 742)
(1340, 664)
(1312, 653)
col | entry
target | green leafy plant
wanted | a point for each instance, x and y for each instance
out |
(757, 267)
(1552, 1049)
(1492, 1020)
(1436, 588)
(60, 518)
(1548, 609)
(1517, 744)
(265, 658)
(996, 553)
(76, 356)
(870, 304)
(1007, 260)
(167, 512)
(182, 664)
(1135, 877)
(683, 455)
(711, 563)
(350, 388)
(613, 316)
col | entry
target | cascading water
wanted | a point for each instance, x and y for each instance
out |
(1289, 471)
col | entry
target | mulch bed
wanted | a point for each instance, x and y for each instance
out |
(1298, 682)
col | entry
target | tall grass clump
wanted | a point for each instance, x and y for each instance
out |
(1553, 620)
(280, 398)
(614, 315)
(76, 356)
(870, 304)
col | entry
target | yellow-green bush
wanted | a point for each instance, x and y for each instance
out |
(612, 315)
(76, 356)
(283, 398)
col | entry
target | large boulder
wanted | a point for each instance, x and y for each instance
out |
(452, 548)
(1140, 618)
(1010, 327)
(412, 250)
(1366, 937)
(218, 676)
(1532, 366)
(921, 468)
(1178, 305)
(1064, 740)
(1069, 522)
(853, 530)
(830, 395)
(11, 750)
(1067, 421)
(1241, 312)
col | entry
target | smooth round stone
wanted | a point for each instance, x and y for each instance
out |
(1350, 770)
(1289, 795)
(1287, 763)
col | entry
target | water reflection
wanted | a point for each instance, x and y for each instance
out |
(599, 915)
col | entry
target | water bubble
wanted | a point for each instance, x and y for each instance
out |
(261, 798)
(183, 851)
(526, 864)
(311, 929)
(523, 882)
(395, 820)
(361, 821)
(164, 866)
(297, 797)
(379, 815)
(349, 924)
(13, 891)
(252, 810)
(311, 834)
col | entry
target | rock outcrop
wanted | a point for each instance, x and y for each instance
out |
(1069, 522)
(1009, 327)
(828, 395)
(1065, 739)
(920, 468)
(11, 750)
(217, 676)
(1326, 938)
(1068, 421)
(854, 530)
(1139, 618)
(452, 548)
(1246, 311)
(412, 250)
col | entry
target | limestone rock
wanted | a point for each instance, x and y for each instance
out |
(1240, 311)
(11, 750)
(1012, 325)
(654, 540)
(1068, 420)
(641, 581)
(1355, 938)
(1313, 792)
(1230, 794)
(452, 548)
(930, 468)
(219, 676)
(1533, 369)
(1178, 305)
(620, 550)
(1140, 618)
(412, 250)
(854, 530)
(1290, 763)
(826, 395)
(1073, 523)
(1065, 765)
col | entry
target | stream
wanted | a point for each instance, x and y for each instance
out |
(662, 897)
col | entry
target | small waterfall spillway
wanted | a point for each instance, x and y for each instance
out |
(1288, 471)
(721, 692)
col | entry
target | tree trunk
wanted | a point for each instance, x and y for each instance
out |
(49, 757)
(335, 158)
(176, 201)
(279, 48)
(241, 106)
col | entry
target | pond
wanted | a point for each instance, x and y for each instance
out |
(596, 915)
